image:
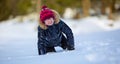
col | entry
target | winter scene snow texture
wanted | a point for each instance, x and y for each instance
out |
(96, 42)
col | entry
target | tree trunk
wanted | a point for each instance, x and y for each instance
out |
(112, 8)
(103, 6)
(38, 6)
(86, 6)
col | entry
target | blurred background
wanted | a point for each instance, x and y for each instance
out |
(68, 9)
(95, 25)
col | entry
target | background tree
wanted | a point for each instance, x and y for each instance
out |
(60, 5)
(13, 8)
(112, 8)
(86, 7)
(4, 8)
(104, 4)
(38, 6)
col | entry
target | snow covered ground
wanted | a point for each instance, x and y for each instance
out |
(96, 43)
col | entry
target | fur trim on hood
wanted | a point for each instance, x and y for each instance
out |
(57, 20)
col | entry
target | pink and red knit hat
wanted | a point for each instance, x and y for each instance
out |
(46, 13)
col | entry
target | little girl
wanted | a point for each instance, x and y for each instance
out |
(52, 32)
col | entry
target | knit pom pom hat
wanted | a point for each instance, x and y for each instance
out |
(46, 13)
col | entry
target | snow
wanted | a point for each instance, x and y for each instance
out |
(69, 13)
(95, 41)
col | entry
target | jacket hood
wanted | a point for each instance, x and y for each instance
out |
(56, 19)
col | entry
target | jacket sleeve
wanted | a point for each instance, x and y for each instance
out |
(40, 40)
(40, 44)
(68, 32)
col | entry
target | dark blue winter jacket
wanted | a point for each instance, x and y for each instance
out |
(50, 36)
(53, 34)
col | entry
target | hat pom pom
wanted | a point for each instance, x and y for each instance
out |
(44, 7)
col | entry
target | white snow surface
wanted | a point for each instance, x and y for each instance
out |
(95, 43)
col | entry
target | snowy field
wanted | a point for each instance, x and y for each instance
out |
(96, 43)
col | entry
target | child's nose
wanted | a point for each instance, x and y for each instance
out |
(49, 20)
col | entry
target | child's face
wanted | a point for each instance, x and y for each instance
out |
(49, 22)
